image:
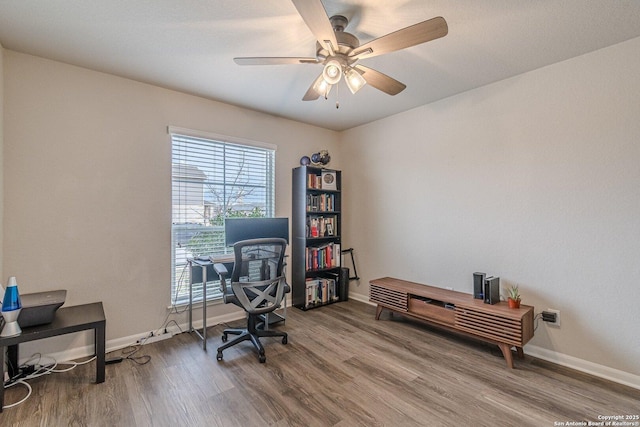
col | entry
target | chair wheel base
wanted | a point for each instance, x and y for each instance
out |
(252, 334)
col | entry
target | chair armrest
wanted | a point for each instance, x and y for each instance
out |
(227, 294)
(220, 269)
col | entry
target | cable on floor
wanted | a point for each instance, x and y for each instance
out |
(39, 370)
(29, 390)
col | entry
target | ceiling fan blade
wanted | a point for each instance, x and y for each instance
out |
(380, 81)
(258, 60)
(316, 18)
(410, 36)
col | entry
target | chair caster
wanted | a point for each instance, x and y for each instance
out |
(262, 358)
(219, 356)
(284, 340)
(224, 338)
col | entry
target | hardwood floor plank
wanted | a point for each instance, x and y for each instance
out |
(341, 367)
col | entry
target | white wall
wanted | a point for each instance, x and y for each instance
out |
(535, 179)
(1, 160)
(88, 183)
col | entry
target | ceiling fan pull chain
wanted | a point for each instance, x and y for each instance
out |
(337, 96)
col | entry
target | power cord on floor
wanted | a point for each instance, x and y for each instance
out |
(33, 368)
(129, 354)
(29, 390)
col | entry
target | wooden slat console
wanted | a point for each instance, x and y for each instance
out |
(495, 323)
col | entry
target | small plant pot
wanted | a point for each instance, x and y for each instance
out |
(514, 303)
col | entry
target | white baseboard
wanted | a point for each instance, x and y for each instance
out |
(581, 365)
(585, 366)
(119, 343)
(123, 342)
(361, 298)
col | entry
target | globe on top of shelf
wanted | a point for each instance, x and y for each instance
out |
(321, 158)
(305, 160)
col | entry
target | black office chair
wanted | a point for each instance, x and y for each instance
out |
(257, 284)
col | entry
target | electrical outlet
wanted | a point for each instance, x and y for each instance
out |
(548, 316)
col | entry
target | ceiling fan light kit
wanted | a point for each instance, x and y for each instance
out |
(354, 80)
(319, 88)
(340, 51)
(332, 72)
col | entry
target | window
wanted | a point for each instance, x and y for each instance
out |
(213, 178)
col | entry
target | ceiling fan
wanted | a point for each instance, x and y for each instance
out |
(340, 51)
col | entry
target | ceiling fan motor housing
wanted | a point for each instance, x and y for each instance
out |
(346, 42)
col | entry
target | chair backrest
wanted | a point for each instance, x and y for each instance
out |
(257, 280)
(258, 259)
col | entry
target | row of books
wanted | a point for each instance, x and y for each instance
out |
(322, 257)
(321, 226)
(321, 202)
(314, 181)
(320, 291)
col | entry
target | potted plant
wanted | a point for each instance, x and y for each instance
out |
(514, 297)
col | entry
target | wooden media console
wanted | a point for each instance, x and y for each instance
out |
(456, 311)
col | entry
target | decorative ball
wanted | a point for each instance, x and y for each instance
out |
(305, 160)
(321, 158)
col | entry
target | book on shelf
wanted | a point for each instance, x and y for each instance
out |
(320, 202)
(314, 181)
(321, 226)
(327, 180)
(320, 290)
(322, 257)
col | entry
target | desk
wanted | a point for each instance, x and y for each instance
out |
(205, 265)
(67, 320)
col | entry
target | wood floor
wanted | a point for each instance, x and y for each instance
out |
(340, 368)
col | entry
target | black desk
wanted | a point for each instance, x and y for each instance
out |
(67, 320)
(206, 266)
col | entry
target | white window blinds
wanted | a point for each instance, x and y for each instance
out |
(213, 178)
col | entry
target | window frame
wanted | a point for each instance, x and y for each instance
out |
(180, 274)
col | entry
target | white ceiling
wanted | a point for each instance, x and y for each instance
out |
(189, 45)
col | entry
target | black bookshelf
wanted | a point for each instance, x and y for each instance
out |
(316, 224)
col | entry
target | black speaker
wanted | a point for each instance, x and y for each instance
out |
(343, 282)
(492, 290)
(478, 285)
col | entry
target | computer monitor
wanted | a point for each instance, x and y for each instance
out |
(236, 229)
